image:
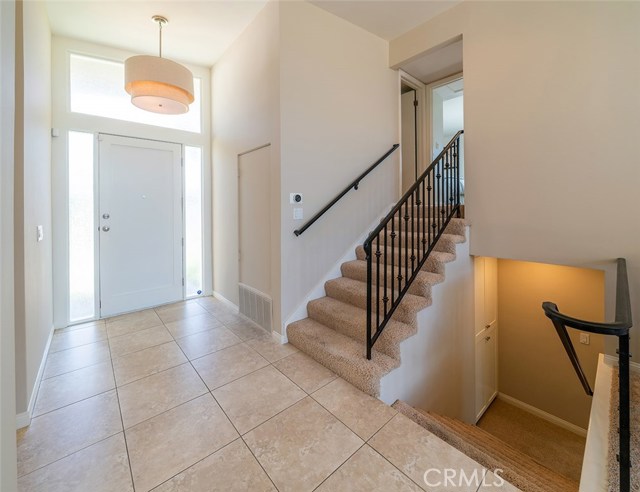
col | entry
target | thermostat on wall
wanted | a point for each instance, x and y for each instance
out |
(295, 198)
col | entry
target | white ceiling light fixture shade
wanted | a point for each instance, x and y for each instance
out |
(157, 84)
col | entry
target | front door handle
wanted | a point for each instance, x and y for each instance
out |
(106, 228)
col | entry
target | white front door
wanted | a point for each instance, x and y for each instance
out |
(140, 223)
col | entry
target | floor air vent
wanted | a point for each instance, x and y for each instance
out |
(255, 305)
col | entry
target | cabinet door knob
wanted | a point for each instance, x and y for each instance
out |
(487, 338)
(488, 326)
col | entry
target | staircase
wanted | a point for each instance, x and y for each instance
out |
(334, 334)
(518, 469)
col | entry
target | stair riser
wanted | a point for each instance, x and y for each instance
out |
(432, 264)
(403, 313)
(355, 329)
(446, 244)
(417, 288)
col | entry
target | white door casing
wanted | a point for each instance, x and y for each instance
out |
(140, 222)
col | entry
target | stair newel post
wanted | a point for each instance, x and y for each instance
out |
(367, 250)
(624, 457)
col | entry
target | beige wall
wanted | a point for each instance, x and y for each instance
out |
(339, 113)
(8, 470)
(33, 275)
(533, 366)
(551, 119)
(245, 98)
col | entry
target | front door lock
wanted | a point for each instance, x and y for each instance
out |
(105, 216)
(106, 228)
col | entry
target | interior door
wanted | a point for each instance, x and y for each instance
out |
(254, 219)
(140, 223)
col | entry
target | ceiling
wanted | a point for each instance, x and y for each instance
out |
(199, 32)
(436, 64)
(387, 19)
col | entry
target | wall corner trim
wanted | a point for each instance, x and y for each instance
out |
(24, 419)
(543, 415)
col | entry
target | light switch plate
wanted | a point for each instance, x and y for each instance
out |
(39, 233)
(297, 214)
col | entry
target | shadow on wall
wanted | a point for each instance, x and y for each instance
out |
(533, 366)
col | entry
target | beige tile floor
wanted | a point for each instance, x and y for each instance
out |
(192, 397)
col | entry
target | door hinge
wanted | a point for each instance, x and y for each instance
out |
(183, 242)
(415, 102)
(183, 281)
(182, 161)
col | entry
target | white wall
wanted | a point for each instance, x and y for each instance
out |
(438, 363)
(551, 124)
(8, 469)
(339, 112)
(33, 281)
(245, 97)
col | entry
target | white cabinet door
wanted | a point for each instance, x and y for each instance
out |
(486, 369)
(486, 298)
(140, 221)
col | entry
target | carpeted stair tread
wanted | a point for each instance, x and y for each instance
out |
(355, 292)
(519, 469)
(341, 354)
(351, 321)
(421, 286)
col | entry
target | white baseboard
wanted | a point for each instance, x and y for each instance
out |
(281, 339)
(24, 419)
(543, 415)
(300, 312)
(613, 360)
(222, 298)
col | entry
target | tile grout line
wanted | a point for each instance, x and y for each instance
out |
(340, 465)
(232, 424)
(124, 434)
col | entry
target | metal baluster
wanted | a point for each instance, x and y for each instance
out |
(393, 256)
(378, 253)
(399, 250)
(385, 299)
(367, 250)
(406, 241)
(413, 235)
(424, 226)
(429, 214)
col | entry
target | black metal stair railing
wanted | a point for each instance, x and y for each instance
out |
(398, 248)
(619, 328)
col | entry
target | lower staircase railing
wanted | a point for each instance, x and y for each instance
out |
(398, 248)
(619, 328)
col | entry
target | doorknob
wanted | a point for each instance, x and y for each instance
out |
(105, 216)
(106, 228)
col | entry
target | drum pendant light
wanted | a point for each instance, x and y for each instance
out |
(157, 84)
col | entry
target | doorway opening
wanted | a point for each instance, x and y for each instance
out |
(446, 101)
(412, 93)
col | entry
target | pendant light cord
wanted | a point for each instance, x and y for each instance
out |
(160, 42)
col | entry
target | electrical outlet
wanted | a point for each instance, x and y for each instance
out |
(584, 339)
(39, 233)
